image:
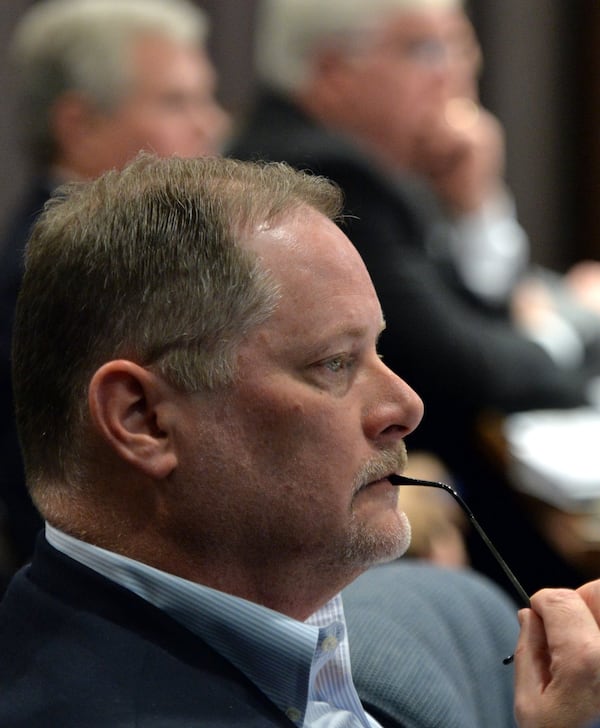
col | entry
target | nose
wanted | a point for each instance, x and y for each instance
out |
(394, 409)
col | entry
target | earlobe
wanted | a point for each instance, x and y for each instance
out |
(128, 406)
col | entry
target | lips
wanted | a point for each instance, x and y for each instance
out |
(384, 479)
(382, 467)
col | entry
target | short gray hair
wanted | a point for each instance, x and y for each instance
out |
(82, 45)
(146, 264)
(289, 32)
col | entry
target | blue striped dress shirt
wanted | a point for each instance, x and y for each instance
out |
(304, 667)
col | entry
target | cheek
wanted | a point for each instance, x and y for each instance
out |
(290, 431)
(316, 453)
(164, 136)
(180, 137)
(156, 130)
(393, 108)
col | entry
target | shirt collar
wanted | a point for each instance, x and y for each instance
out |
(291, 651)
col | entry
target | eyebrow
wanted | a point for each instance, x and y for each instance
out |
(352, 333)
(357, 332)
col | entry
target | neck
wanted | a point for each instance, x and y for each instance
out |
(294, 590)
(295, 582)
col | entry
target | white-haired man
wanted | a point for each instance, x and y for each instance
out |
(378, 95)
(100, 80)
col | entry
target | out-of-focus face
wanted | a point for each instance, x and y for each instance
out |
(288, 471)
(169, 109)
(464, 55)
(401, 77)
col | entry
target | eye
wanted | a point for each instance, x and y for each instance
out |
(334, 365)
(336, 373)
(338, 363)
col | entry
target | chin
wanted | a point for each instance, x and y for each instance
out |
(372, 544)
(396, 542)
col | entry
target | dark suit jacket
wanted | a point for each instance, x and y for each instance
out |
(462, 359)
(77, 651)
(12, 246)
(21, 518)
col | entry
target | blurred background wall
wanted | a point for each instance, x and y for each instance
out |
(541, 78)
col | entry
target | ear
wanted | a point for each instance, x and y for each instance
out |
(328, 61)
(72, 121)
(333, 74)
(134, 411)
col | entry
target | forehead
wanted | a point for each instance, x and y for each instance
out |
(422, 22)
(322, 278)
(305, 244)
(154, 55)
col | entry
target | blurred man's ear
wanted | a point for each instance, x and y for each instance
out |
(333, 66)
(133, 411)
(329, 89)
(71, 121)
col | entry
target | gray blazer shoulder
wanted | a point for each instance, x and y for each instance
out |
(427, 645)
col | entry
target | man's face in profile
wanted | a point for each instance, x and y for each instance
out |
(289, 467)
(402, 75)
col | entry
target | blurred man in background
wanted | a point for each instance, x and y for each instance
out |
(100, 80)
(380, 95)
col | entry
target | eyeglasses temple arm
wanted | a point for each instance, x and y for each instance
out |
(404, 480)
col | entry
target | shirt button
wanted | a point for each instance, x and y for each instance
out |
(293, 714)
(329, 643)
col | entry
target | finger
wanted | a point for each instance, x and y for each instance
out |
(590, 593)
(531, 656)
(560, 680)
(568, 621)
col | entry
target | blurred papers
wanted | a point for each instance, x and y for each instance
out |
(555, 455)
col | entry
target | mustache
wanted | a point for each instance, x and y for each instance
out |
(391, 460)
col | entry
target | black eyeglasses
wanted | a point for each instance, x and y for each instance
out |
(404, 480)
